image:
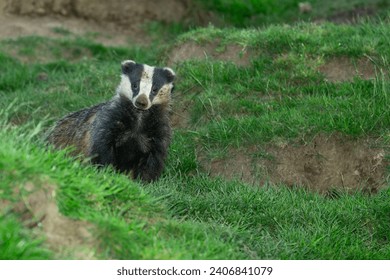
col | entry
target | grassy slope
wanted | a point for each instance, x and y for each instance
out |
(131, 224)
(188, 214)
(284, 94)
(264, 12)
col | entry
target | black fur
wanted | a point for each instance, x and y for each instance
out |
(117, 133)
(131, 139)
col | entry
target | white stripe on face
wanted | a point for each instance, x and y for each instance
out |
(146, 83)
(146, 80)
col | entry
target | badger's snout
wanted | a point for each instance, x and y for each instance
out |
(142, 102)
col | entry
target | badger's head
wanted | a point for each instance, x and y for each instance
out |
(145, 85)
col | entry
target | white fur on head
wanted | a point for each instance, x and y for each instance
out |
(128, 62)
(170, 70)
(138, 86)
(145, 86)
(164, 95)
(124, 87)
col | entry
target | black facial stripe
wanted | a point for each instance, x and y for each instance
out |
(159, 80)
(135, 78)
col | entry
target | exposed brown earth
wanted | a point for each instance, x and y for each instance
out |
(343, 69)
(117, 22)
(12, 26)
(323, 164)
(122, 12)
(179, 115)
(237, 54)
(353, 16)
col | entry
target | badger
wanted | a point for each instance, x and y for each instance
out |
(130, 132)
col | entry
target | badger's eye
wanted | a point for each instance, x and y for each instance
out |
(154, 89)
(135, 86)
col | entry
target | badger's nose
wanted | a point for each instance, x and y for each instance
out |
(141, 102)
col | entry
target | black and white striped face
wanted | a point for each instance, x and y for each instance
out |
(145, 85)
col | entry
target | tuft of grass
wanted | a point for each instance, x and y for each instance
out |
(61, 31)
(17, 242)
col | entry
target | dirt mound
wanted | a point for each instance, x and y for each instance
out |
(343, 69)
(117, 22)
(124, 12)
(191, 50)
(354, 15)
(179, 115)
(329, 162)
(12, 26)
(64, 236)
(326, 163)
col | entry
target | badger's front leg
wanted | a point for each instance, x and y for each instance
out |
(149, 168)
(151, 165)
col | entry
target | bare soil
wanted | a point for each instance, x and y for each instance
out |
(353, 16)
(191, 50)
(343, 69)
(179, 115)
(122, 12)
(38, 210)
(12, 26)
(118, 22)
(323, 164)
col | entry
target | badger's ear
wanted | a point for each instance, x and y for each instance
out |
(170, 74)
(128, 66)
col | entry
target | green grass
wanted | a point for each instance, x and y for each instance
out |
(280, 95)
(17, 242)
(186, 217)
(303, 38)
(264, 12)
(283, 223)
(72, 83)
(130, 223)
